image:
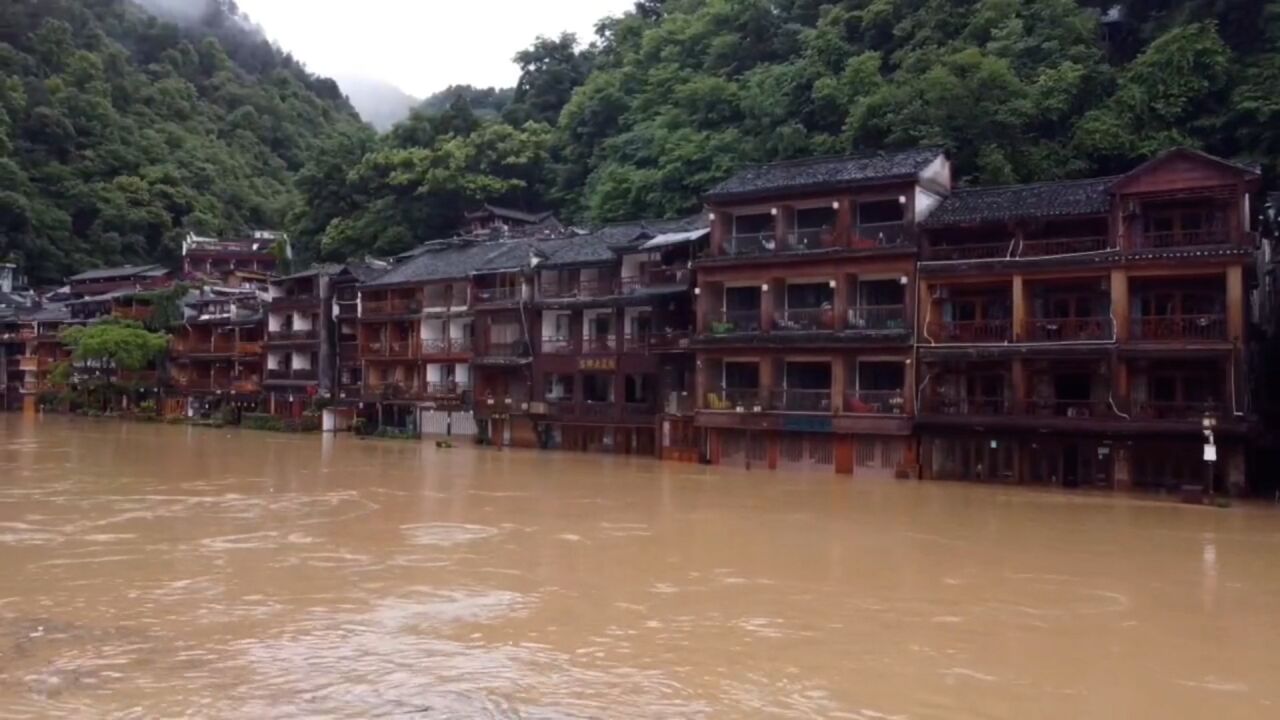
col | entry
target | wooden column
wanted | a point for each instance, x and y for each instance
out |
(838, 382)
(840, 303)
(1019, 309)
(1235, 305)
(767, 365)
(721, 227)
(844, 454)
(784, 222)
(770, 302)
(911, 376)
(1120, 303)
(844, 222)
(1019, 377)
(1120, 385)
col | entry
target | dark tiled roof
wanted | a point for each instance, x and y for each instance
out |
(126, 271)
(592, 248)
(364, 271)
(313, 271)
(512, 214)
(825, 172)
(1012, 202)
(453, 260)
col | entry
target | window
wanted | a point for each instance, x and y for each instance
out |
(881, 375)
(742, 375)
(877, 212)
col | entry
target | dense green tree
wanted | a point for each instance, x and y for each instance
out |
(114, 344)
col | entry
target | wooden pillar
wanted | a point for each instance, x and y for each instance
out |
(911, 376)
(925, 312)
(844, 222)
(721, 228)
(784, 222)
(1120, 303)
(701, 381)
(768, 363)
(844, 454)
(1235, 305)
(1019, 377)
(1019, 309)
(839, 382)
(1120, 385)
(770, 302)
(704, 306)
(1123, 466)
(840, 303)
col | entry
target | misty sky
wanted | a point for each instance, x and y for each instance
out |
(422, 45)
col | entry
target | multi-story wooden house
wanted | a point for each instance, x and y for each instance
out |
(300, 341)
(107, 280)
(806, 307)
(40, 347)
(217, 354)
(505, 340)
(509, 222)
(612, 357)
(415, 338)
(1088, 332)
(216, 260)
(345, 310)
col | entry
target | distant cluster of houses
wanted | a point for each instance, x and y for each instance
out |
(854, 315)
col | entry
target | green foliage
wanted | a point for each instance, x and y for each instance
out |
(309, 422)
(166, 307)
(486, 102)
(114, 343)
(119, 133)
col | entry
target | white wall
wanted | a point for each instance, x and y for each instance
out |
(631, 264)
(588, 320)
(275, 359)
(275, 321)
(629, 318)
(462, 372)
(432, 329)
(925, 203)
(301, 360)
(302, 321)
(549, 323)
(460, 328)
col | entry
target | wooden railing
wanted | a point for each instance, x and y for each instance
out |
(1189, 411)
(875, 402)
(505, 348)
(877, 317)
(655, 277)
(497, 295)
(303, 374)
(972, 251)
(559, 345)
(733, 321)
(446, 346)
(293, 335)
(289, 302)
(1050, 330)
(970, 331)
(218, 347)
(800, 400)
(733, 398)
(579, 289)
(880, 235)
(393, 307)
(392, 390)
(968, 406)
(1176, 328)
(598, 344)
(669, 340)
(1181, 239)
(395, 349)
(447, 389)
(1076, 409)
(1050, 247)
(805, 320)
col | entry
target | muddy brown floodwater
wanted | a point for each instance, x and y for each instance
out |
(163, 571)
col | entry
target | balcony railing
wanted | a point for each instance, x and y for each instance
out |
(599, 344)
(752, 243)
(636, 343)
(447, 389)
(733, 399)
(578, 289)
(1162, 410)
(969, 331)
(347, 309)
(446, 346)
(669, 340)
(642, 411)
(141, 313)
(349, 352)
(395, 349)
(218, 347)
(734, 321)
(392, 390)
(1049, 330)
(796, 400)
(804, 239)
(395, 306)
(293, 335)
(286, 302)
(506, 348)
(804, 320)
(303, 374)
(1181, 239)
(879, 236)
(604, 410)
(559, 345)
(1077, 409)
(975, 405)
(1050, 247)
(972, 251)
(877, 317)
(1175, 328)
(655, 277)
(875, 402)
(497, 295)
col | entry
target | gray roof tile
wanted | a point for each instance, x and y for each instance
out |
(1012, 202)
(817, 173)
(126, 271)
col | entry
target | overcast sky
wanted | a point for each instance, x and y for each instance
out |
(422, 45)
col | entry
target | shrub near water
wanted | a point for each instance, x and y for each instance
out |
(309, 422)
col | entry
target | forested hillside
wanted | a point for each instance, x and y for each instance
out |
(119, 132)
(672, 97)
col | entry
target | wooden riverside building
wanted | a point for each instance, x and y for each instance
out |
(1082, 332)
(806, 306)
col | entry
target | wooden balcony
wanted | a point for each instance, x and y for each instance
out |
(578, 289)
(446, 390)
(966, 406)
(968, 251)
(293, 302)
(724, 322)
(1053, 247)
(293, 336)
(218, 347)
(1181, 239)
(875, 402)
(805, 320)
(504, 349)
(445, 347)
(396, 307)
(396, 350)
(1178, 328)
(600, 345)
(670, 341)
(1012, 249)
(1052, 330)
(137, 313)
(29, 363)
(493, 296)
(296, 374)
(655, 278)
(559, 345)
(349, 353)
(734, 400)
(1176, 411)
(1074, 409)
(392, 390)
(801, 400)
(877, 318)
(801, 240)
(970, 331)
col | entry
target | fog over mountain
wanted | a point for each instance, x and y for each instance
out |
(379, 103)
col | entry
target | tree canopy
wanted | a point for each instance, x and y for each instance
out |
(114, 343)
(120, 132)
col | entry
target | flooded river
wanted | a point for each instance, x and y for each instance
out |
(161, 571)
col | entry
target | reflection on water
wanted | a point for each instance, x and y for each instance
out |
(163, 571)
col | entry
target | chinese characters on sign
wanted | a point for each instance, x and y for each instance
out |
(608, 364)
